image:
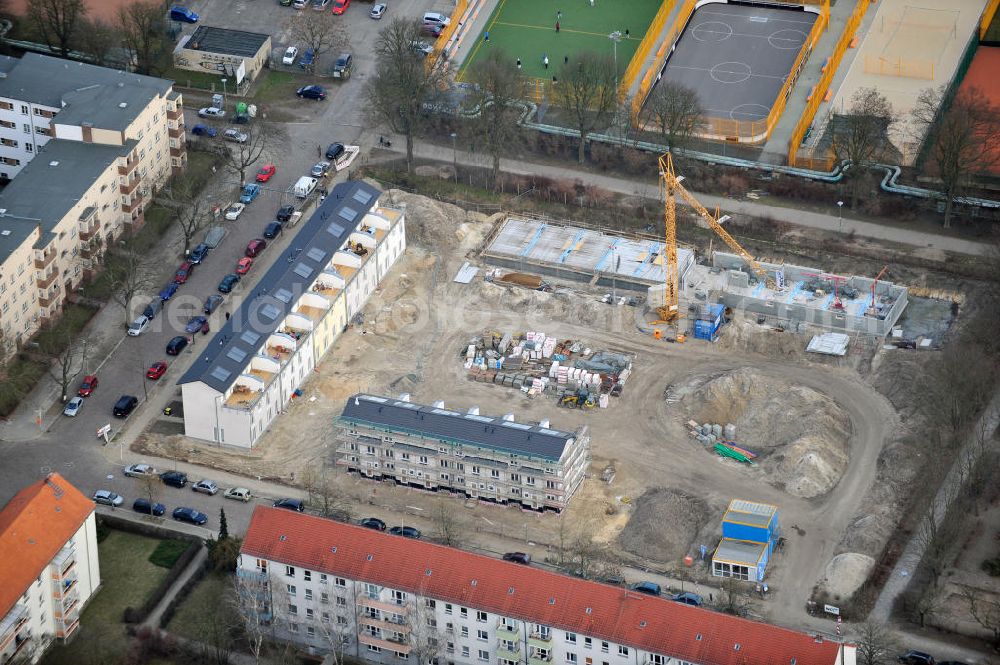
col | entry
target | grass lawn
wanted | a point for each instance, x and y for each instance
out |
(278, 86)
(201, 80)
(167, 552)
(127, 579)
(525, 29)
(210, 598)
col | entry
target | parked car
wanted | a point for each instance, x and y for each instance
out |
(153, 307)
(189, 515)
(212, 303)
(405, 531)
(243, 265)
(174, 478)
(87, 386)
(168, 291)
(238, 494)
(146, 507)
(204, 130)
(235, 135)
(319, 170)
(156, 370)
(284, 213)
(291, 53)
(183, 14)
(378, 11)
(334, 151)
(73, 406)
(265, 172)
(311, 92)
(308, 59)
(255, 247)
(124, 406)
(108, 498)
(342, 66)
(250, 192)
(290, 504)
(234, 211)
(228, 283)
(138, 326)
(272, 230)
(183, 272)
(199, 253)
(422, 47)
(912, 657)
(340, 6)
(299, 4)
(211, 112)
(139, 470)
(649, 588)
(432, 29)
(176, 345)
(373, 523)
(689, 598)
(205, 487)
(436, 18)
(517, 557)
(320, 5)
(196, 323)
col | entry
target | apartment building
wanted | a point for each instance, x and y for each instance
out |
(251, 368)
(329, 586)
(48, 566)
(84, 148)
(491, 458)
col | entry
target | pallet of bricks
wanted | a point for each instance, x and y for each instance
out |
(536, 363)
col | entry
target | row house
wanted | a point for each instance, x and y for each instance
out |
(494, 459)
(254, 364)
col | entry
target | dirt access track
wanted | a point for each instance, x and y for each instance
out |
(419, 320)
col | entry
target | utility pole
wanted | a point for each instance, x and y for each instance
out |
(616, 37)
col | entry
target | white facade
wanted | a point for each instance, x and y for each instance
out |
(24, 128)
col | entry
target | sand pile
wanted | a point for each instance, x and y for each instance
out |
(801, 435)
(845, 574)
(664, 525)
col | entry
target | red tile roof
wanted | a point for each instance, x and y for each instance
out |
(34, 526)
(523, 592)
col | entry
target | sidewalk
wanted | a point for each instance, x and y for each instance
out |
(153, 620)
(650, 190)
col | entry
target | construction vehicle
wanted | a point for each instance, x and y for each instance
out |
(670, 187)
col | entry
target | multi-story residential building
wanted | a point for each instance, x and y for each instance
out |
(489, 458)
(104, 141)
(48, 566)
(246, 375)
(330, 586)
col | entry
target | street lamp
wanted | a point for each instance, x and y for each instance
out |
(224, 92)
(616, 37)
(840, 216)
(454, 154)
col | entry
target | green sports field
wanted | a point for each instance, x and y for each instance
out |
(525, 29)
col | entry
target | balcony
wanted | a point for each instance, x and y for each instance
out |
(12, 624)
(47, 257)
(385, 625)
(507, 632)
(513, 653)
(45, 280)
(134, 205)
(535, 659)
(246, 390)
(176, 114)
(129, 185)
(387, 644)
(391, 608)
(540, 640)
(176, 152)
(176, 132)
(128, 167)
(22, 639)
(48, 300)
(89, 229)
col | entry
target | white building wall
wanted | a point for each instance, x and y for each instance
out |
(24, 128)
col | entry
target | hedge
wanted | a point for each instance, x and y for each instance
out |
(133, 615)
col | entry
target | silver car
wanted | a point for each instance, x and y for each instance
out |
(238, 493)
(378, 10)
(138, 326)
(206, 487)
(108, 498)
(320, 169)
(73, 406)
(139, 470)
(236, 135)
(211, 112)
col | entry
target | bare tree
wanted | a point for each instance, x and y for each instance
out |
(584, 556)
(322, 33)
(402, 82)
(216, 637)
(875, 644)
(928, 603)
(501, 88)
(144, 34)
(129, 274)
(861, 135)
(985, 610)
(325, 496)
(150, 486)
(337, 628)
(964, 137)
(97, 40)
(586, 89)
(958, 387)
(253, 605)
(449, 531)
(67, 358)
(676, 112)
(426, 638)
(262, 138)
(58, 22)
(188, 208)
(734, 598)
(936, 534)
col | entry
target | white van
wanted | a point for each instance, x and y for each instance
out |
(304, 186)
(436, 19)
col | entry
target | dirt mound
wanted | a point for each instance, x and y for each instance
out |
(664, 525)
(429, 222)
(800, 434)
(845, 574)
(560, 304)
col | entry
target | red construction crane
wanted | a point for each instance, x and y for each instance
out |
(879, 276)
(836, 280)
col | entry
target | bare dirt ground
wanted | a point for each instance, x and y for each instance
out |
(668, 493)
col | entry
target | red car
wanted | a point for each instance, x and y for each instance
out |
(265, 172)
(88, 385)
(340, 6)
(156, 370)
(255, 247)
(243, 265)
(182, 274)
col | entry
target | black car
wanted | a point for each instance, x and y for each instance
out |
(912, 657)
(212, 303)
(373, 523)
(334, 151)
(199, 253)
(125, 405)
(146, 507)
(176, 345)
(311, 92)
(405, 531)
(284, 213)
(228, 283)
(290, 504)
(174, 478)
(517, 557)
(189, 515)
(272, 230)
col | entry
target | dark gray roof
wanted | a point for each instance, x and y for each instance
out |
(55, 180)
(13, 233)
(222, 40)
(264, 308)
(472, 429)
(96, 92)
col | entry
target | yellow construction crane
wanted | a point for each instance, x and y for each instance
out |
(670, 184)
